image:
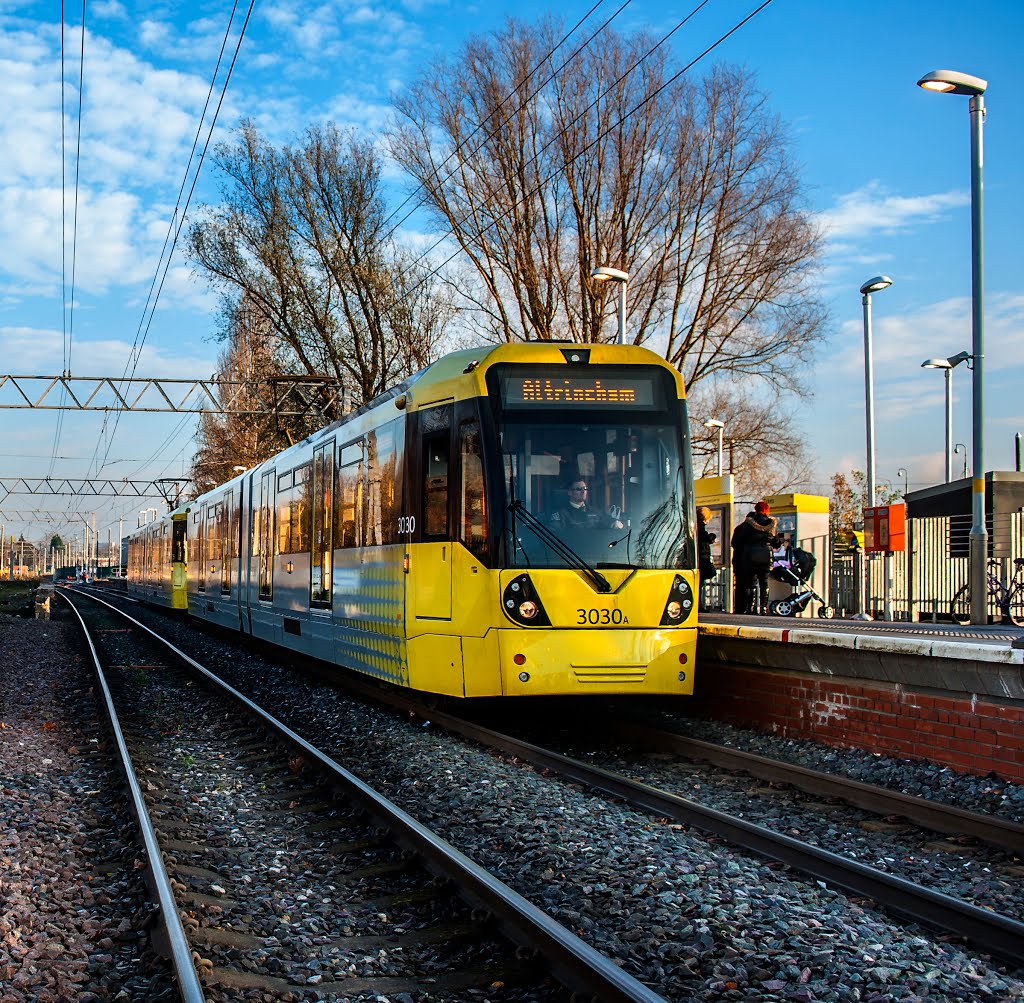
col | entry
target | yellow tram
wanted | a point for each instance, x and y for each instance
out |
(513, 520)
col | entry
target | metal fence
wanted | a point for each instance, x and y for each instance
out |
(919, 583)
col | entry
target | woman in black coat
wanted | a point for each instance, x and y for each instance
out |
(752, 543)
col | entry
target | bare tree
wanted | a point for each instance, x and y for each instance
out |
(607, 159)
(763, 445)
(224, 441)
(301, 233)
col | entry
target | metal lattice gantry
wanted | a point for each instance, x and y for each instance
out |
(168, 488)
(285, 396)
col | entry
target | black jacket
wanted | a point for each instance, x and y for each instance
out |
(756, 531)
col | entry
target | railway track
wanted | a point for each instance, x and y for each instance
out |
(988, 931)
(277, 869)
(283, 687)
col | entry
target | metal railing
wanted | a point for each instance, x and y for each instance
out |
(920, 582)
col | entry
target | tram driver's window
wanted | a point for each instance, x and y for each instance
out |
(435, 487)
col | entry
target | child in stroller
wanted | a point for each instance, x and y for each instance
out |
(793, 566)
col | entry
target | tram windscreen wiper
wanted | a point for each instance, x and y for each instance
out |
(560, 547)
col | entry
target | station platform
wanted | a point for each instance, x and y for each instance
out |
(953, 636)
(950, 694)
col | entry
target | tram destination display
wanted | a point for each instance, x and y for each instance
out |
(597, 392)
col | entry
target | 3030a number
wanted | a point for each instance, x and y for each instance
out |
(597, 617)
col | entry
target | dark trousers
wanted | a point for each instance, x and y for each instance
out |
(743, 589)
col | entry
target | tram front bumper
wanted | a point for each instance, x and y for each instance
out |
(551, 662)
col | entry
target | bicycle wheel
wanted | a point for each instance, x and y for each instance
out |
(960, 607)
(1017, 607)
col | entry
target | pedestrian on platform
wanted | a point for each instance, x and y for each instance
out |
(752, 544)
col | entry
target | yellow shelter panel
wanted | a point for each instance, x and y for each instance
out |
(435, 664)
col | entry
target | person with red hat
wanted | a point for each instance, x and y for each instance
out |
(752, 543)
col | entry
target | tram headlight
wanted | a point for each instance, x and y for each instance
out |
(679, 604)
(522, 605)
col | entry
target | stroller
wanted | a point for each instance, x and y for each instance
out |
(794, 566)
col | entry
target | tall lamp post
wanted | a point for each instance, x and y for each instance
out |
(605, 274)
(720, 425)
(953, 82)
(947, 366)
(875, 285)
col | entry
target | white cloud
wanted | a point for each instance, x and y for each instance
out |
(873, 209)
(23, 348)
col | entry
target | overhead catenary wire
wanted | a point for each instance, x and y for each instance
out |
(178, 219)
(68, 302)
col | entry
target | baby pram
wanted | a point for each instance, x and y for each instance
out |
(793, 566)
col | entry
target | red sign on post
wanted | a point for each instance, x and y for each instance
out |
(885, 528)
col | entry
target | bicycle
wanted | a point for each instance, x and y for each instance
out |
(1007, 596)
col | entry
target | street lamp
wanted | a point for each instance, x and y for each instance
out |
(875, 285)
(961, 448)
(605, 274)
(953, 82)
(948, 365)
(720, 425)
(902, 472)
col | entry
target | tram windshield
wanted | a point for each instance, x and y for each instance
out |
(608, 479)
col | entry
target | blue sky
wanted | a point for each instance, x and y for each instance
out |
(886, 166)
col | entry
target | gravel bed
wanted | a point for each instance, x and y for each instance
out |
(73, 900)
(985, 876)
(308, 890)
(685, 914)
(987, 794)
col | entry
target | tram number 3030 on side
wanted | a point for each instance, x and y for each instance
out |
(596, 617)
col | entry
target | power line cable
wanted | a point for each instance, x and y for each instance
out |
(67, 308)
(151, 302)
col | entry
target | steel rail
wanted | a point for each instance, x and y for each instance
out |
(947, 819)
(989, 932)
(578, 965)
(189, 986)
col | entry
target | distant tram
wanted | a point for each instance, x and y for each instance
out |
(436, 538)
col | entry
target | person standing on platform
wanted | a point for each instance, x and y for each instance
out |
(752, 543)
(705, 560)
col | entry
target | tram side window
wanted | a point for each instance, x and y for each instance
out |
(302, 509)
(284, 521)
(348, 510)
(388, 478)
(199, 534)
(472, 503)
(435, 486)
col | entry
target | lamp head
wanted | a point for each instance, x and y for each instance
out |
(606, 274)
(936, 364)
(876, 285)
(952, 82)
(714, 423)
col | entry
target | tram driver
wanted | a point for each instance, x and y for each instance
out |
(578, 513)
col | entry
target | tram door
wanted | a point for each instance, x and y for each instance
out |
(434, 561)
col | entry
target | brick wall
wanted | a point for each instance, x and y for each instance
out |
(965, 734)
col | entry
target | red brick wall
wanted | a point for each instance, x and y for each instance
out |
(971, 736)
